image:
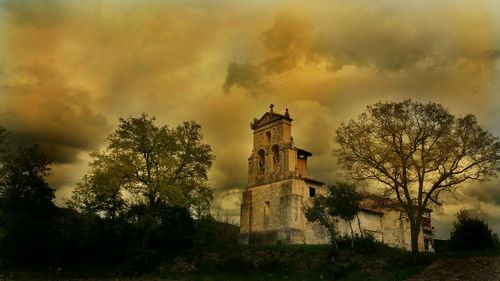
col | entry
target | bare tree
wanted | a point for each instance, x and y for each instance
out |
(416, 151)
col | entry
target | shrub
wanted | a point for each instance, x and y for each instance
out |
(471, 233)
(175, 230)
(216, 231)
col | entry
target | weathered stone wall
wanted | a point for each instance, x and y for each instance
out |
(273, 156)
(386, 227)
(275, 212)
(396, 231)
(370, 223)
(302, 167)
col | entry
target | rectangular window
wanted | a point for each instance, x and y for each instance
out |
(312, 191)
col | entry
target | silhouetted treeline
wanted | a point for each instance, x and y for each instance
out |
(471, 233)
(35, 233)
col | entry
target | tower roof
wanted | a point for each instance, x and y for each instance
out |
(270, 117)
(303, 153)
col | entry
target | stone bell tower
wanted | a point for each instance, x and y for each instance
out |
(278, 186)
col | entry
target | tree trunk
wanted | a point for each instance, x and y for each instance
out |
(352, 235)
(359, 226)
(331, 229)
(415, 230)
(332, 234)
(149, 223)
(335, 245)
(145, 239)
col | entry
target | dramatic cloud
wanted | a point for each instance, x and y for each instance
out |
(247, 76)
(389, 40)
(42, 107)
(70, 69)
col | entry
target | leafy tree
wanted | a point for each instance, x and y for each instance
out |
(3, 175)
(319, 213)
(342, 200)
(200, 198)
(84, 199)
(27, 210)
(100, 191)
(3, 155)
(157, 165)
(3, 140)
(415, 152)
(175, 228)
(471, 233)
(26, 188)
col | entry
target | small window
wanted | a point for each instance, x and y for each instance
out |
(312, 191)
(268, 135)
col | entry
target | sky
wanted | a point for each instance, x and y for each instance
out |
(70, 69)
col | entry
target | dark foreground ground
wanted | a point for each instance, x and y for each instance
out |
(458, 269)
(368, 262)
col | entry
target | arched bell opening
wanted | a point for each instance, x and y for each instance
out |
(261, 164)
(276, 158)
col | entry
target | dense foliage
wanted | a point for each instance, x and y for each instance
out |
(145, 197)
(471, 233)
(27, 212)
(342, 200)
(144, 170)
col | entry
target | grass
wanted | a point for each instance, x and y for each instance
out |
(396, 275)
(299, 276)
(367, 262)
(492, 252)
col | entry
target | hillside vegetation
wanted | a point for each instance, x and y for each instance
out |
(367, 261)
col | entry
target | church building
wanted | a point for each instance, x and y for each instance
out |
(279, 188)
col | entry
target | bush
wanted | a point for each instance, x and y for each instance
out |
(471, 234)
(175, 230)
(215, 231)
(365, 244)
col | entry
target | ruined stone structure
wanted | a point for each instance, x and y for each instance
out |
(279, 188)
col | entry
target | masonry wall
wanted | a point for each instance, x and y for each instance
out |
(385, 227)
(273, 156)
(275, 212)
(370, 223)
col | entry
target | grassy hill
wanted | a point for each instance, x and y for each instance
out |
(367, 261)
(227, 260)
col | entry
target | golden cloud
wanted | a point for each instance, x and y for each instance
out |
(69, 69)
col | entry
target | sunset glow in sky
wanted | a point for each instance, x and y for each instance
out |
(70, 69)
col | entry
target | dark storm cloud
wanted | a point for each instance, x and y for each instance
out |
(488, 192)
(41, 107)
(480, 200)
(279, 39)
(27, 12)
(247, 76)
(387, 37)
